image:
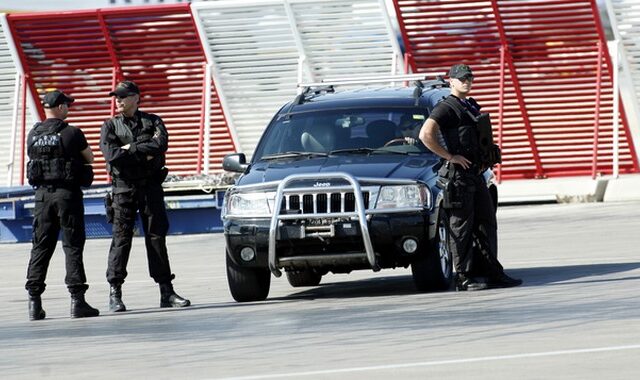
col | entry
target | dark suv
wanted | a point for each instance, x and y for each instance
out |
(339, 181)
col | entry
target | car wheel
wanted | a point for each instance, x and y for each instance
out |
(247, 284)
(433, 271)
(306, 277)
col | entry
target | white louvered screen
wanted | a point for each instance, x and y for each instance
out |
(625, 22)
(255, 58)
(255, 47)
(345, 38)
(10, 133)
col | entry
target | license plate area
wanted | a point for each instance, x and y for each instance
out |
(319, 229)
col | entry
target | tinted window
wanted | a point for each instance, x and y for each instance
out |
(331, 130)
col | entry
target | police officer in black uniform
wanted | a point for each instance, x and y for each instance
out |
(468, 204)
(134, 145)
(59, 164)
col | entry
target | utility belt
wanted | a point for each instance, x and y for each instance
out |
(452, 186)
(129, 184)
(155, 179)
(53, 187)
(120, 186)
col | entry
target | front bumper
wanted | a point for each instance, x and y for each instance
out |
(335, 253)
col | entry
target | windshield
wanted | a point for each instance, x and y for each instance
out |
(363, 131)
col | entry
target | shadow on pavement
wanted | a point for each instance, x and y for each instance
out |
(373, 287)
(587, 273)
(403, 285)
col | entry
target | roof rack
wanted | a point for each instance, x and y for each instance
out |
(371, 79)
(309, 91)
(421, 81)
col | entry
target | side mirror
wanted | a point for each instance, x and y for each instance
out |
(235, 162)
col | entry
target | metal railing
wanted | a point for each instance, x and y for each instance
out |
(358, 213)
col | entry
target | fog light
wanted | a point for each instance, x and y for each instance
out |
(410, 245)
(247, 254)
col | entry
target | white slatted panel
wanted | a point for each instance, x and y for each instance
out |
(345, 38)
(8, 71)
(625, 22)
(255, 57)
(254, 48)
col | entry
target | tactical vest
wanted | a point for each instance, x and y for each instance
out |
(47, 162)
(143, 169)
(463, 140)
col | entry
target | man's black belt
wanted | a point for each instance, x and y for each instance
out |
(119, 182)
(53, 187)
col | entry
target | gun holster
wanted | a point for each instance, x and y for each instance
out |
(451, 197)
(108, 207)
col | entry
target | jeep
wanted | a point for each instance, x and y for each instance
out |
(339, 181)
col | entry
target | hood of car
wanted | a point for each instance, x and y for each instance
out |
(370, 167)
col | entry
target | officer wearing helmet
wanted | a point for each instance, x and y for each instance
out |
(467, 204)
(59, 165)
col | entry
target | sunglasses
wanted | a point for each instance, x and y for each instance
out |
(466, 78)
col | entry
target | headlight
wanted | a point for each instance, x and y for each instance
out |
(401, 196)
(246, 204)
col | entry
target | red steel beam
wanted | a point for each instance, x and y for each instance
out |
(518, 90)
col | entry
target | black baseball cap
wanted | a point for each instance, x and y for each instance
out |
(56, 97)
(460, 71)
(124, 89)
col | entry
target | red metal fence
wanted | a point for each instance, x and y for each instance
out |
(542, 69)
(543, 72)
(85, 53)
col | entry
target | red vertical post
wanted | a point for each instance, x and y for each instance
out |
(116, 69)
(407, 58)
(501, 107)
(204, 108)
(114, 81)
(596, 113)
(24, 129)
(518, 90)
(404, 34)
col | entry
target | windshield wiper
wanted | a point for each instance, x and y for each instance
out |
(354, 150)
(292, 154)
(367, 151)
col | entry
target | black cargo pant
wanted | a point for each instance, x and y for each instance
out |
(57, 209)
(148, 199)
(475, 219)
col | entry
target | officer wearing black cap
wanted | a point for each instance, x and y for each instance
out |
(59, 164)
(468, 204)
(134, 145)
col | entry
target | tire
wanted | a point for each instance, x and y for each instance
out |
(433, 271)
(247, 284)
(308, 277)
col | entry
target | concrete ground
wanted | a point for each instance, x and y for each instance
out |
(571, 190)
(576, 317)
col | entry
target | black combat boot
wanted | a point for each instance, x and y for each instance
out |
(35, 308)
(115, 298)
(169, 298)
(80, 308)
(467, 283)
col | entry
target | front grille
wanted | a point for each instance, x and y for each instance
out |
(322, 203)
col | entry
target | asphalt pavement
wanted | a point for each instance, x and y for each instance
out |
(577, 316)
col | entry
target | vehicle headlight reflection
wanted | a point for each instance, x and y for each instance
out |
(402, 196)
(247, 204)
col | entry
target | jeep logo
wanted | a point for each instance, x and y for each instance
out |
(322, 184)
